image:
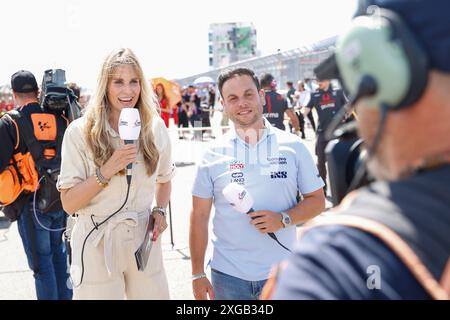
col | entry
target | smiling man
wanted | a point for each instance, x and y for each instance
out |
(274, 166)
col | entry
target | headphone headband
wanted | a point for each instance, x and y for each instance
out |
(379, 59)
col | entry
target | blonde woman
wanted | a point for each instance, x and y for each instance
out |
(93, 185)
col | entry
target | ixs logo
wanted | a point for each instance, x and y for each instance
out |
(237, 177)
(278, 175)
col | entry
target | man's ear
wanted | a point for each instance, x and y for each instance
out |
(222, 102)
(262, 96)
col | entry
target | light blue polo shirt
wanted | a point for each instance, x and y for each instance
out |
(272, 171)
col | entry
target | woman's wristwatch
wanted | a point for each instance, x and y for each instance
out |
(160, 210)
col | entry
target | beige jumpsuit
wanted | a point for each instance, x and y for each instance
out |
(110, 270)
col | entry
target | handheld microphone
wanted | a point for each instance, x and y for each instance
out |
(241, 200)
(129, 129)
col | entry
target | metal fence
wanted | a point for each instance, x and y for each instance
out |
(291, 65)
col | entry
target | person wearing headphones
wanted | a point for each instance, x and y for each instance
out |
(388, 240)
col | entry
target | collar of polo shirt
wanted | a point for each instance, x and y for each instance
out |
(270, 130)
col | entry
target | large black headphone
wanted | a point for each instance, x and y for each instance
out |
(378, 59)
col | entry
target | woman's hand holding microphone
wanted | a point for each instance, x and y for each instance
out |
(119, 160)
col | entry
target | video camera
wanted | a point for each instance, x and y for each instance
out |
(346, 161)
(345, 155)
(56, 97)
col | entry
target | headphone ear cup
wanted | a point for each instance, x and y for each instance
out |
(416, 57)
(381, 47)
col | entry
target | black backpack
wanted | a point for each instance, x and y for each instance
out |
(48, 167)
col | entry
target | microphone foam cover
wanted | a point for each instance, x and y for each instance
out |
(129, 124)
(238, 197)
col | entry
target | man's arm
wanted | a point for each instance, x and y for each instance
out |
(198, 241)
(312, 205)
(294, 119)
(270, 221)
(309, 105)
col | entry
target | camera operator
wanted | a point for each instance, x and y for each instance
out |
(388, 240)
(31, 138)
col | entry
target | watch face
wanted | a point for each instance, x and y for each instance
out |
(286, 219)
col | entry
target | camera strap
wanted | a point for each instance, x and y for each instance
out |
(34, 146)
(27, 134)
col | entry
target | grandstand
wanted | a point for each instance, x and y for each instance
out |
(290, 65)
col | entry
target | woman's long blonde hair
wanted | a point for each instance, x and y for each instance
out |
(97, 114)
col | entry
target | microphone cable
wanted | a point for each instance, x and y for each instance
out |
(96, 226)
(274, 237)
(36, 215)
(271, 234)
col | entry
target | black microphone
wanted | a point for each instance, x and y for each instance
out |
(129, 129)
(130, 165)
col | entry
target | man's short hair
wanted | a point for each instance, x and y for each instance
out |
(289, 83)
(266, 80)
(231, 73)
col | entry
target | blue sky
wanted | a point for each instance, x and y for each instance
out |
(169, 37)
